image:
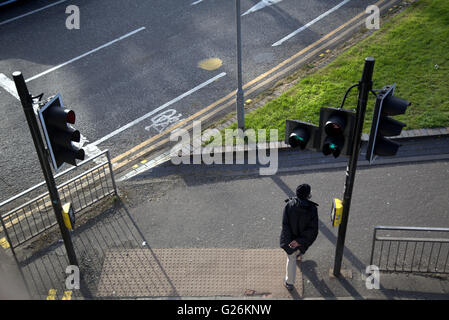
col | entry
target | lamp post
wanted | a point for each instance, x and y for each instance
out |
(240, 95)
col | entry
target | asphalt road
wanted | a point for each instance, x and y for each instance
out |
(135, 58)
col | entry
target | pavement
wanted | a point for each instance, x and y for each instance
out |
(194, 232)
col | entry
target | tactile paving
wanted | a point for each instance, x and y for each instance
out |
(195, 273)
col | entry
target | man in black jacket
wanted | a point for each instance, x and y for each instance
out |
(299, 229)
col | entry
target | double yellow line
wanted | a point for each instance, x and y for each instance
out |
(320, 45)
(52, 295)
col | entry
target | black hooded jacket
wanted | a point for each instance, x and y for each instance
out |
(300, 223)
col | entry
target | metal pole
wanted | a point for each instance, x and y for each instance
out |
(365, 86)
(240, 94)
(27, 104)
(112, 172)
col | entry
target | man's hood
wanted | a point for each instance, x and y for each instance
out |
(301, 202)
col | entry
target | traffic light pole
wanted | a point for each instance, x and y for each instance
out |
(27, 103)
(365, 86)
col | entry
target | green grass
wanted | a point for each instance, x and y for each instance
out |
(406, 49)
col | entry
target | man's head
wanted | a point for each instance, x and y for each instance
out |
(303, 191)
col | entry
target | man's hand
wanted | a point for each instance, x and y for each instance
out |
(294, 244)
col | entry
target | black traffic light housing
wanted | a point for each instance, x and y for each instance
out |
(56, 124)
(336, 131)
(301, 135)
(383, 126)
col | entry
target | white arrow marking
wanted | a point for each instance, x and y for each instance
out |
(262, 4)
(294, 33)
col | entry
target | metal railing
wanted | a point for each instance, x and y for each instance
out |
(35, 213)
(416, 250)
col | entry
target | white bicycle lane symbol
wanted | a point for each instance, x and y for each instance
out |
(163, 120)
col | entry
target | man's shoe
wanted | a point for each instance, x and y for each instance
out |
(289, 287)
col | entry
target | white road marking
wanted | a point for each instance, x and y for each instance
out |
(8, 85)
(310, 23)
(85, 54)
(262, 4)
(90, 150)
(163, 120)
(164, 106)
(31, 12)
(196, 2)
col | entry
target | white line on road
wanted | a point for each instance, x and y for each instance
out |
(85, 54)
(31, 12)
(196, 2)
(8, 85)
(262, 4)
(204, 84)
(338, 6)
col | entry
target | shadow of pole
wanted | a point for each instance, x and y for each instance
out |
(308, 269)
(112, 230)
(173, 288)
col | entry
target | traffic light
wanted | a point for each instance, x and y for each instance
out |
(384, 126)
(59, 134)
(336, 131)
(301, 134)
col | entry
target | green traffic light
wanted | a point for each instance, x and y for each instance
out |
(299, 139)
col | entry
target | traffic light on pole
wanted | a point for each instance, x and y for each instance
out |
(301, 134)
(383, 126)
(336, 131)
(56, 124)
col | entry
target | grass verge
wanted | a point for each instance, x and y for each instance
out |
(411, 50)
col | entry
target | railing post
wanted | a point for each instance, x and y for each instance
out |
(112, 172)
(372, 246)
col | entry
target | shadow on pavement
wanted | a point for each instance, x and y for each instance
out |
(308, 269)
(113, 230)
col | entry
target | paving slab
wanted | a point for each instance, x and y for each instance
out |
(196, 273)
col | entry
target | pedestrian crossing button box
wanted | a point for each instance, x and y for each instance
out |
(69, 216)
(336, 212)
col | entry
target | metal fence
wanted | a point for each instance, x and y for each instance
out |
(34, 214)
(411, 249)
